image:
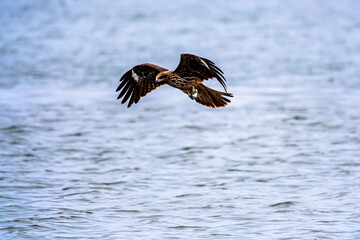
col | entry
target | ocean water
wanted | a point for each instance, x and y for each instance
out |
(282, 161)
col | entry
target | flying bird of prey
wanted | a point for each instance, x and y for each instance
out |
(188, 77)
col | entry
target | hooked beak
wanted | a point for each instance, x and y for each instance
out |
(157, 80)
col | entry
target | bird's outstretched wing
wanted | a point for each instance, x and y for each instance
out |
(194, 66)
(138, 81)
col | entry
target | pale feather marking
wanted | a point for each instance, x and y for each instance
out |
(135, 76)
(204, 63)
(194, 93)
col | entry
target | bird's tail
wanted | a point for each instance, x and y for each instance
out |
(210, 97)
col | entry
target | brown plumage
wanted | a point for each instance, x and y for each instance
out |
(188, 77)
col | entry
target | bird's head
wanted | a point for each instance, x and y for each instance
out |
(163, 76)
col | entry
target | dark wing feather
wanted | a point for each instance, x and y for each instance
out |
(194, 66)
(138, 81)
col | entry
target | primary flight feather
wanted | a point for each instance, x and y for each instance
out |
(188, 77)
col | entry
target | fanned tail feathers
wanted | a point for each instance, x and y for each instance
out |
(210, 97)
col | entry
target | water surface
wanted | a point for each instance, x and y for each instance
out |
(280, 162)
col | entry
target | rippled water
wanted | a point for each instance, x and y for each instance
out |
(280, 162)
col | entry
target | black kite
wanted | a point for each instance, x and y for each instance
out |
(188, 77)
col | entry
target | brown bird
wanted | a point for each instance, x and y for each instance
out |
(188, 77)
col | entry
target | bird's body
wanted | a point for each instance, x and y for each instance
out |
(185, 84)
(187, 77)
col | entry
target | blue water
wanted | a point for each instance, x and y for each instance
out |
(280, 162)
